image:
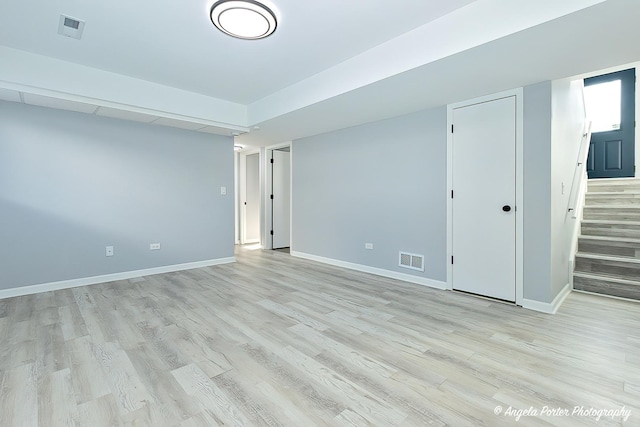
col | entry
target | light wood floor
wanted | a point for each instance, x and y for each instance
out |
(274, 340)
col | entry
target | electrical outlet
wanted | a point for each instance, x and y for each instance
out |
(108, 251)
(154, 247)
(368, 246)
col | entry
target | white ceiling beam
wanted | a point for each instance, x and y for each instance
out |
(478, 23)
(23, 71)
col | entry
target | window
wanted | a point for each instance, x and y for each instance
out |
(603, 105)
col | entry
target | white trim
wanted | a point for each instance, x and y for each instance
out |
(84, 281)
(279, 145)
(249, 151)
(291, 196)
(242, 192)
(373, 270)
(264, 229)
(519, 195)
(18, 87)
(519, 95)
(268, 208)
(242, 197)
(268, 187)
(545, 307)
(251, 241)
(236, 196)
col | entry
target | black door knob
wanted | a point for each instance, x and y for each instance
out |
(506, 208)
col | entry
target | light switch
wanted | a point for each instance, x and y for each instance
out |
(223, 191)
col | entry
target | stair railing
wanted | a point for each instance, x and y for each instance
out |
(577, 195)
(579, 184)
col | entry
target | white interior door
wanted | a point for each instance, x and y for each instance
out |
(281, 192)
(484, 195)
(252, 199)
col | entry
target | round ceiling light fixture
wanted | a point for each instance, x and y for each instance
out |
(243, 19)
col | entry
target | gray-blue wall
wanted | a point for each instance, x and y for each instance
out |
(385, 183)
(382, 183)
(554, 120)
(537, 188)
(71, 184)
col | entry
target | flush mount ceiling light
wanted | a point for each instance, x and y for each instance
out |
(244, 19)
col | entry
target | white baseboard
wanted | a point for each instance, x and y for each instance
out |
(84, 281)
(250, 241)
(545, 307)
(373, 270)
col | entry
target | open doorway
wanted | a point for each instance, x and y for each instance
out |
(250, 204)
(280, 198)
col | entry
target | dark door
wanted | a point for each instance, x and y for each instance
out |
(612, 152)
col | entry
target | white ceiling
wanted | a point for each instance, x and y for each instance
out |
(578, 44)
(330, 64)
(174, 42)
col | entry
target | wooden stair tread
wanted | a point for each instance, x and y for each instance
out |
(610, 239)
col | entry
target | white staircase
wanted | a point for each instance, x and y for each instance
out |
(608, 258)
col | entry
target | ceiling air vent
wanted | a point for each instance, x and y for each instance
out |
(412, 261)
(70, 27)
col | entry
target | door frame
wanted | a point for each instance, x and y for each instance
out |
(265, 192)
(611, 76)
(285, 152)
(242, 186)
(519, 244)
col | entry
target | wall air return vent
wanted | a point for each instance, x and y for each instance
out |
(412, 261)
(70, 27)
